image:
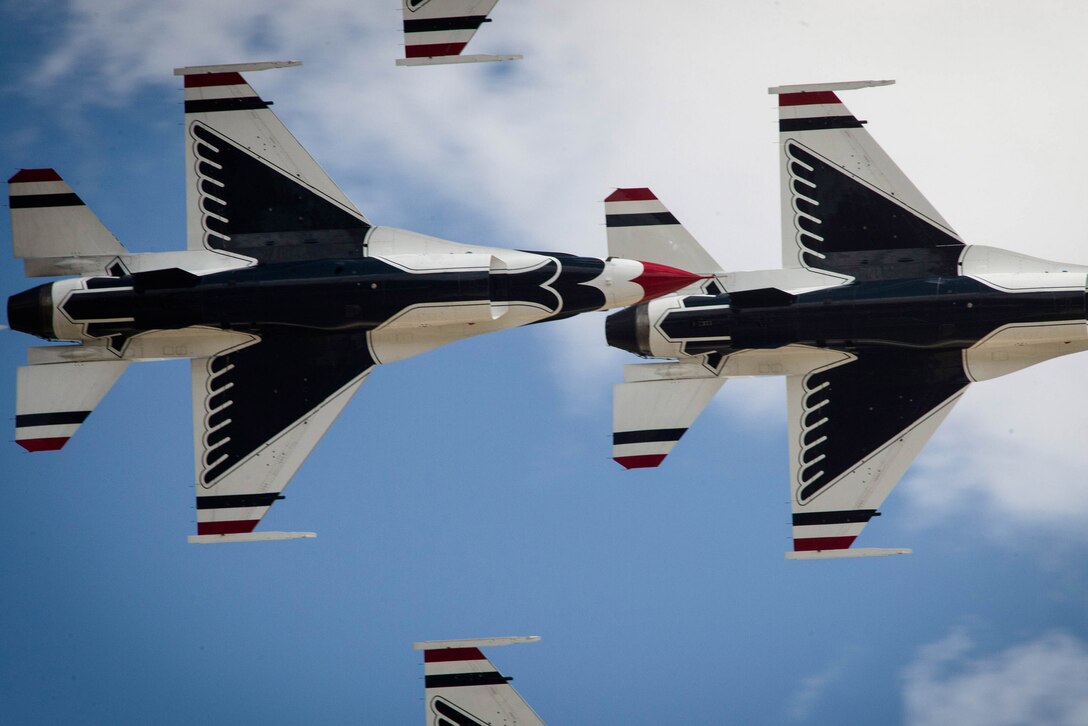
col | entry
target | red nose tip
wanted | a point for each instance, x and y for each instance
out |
(658, 280)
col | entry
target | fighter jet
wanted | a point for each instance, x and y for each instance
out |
(464, 689)
(436, 31)
(285, 300)
(880, 320)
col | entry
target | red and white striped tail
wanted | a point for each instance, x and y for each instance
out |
(53, 400)
(437, 31)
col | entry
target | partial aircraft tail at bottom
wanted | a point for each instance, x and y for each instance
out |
(464, 689)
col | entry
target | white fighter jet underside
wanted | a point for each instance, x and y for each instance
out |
(285, 300)
(880, 319)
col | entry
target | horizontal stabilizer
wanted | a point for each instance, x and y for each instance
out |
(842, 554)
(48, 219)
(248, 537)
(53, 400)
(641, 228)
(650, 416)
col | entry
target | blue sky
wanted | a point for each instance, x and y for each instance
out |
(469, 492)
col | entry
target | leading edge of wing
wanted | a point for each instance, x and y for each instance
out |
(258, 411)
(855, 427)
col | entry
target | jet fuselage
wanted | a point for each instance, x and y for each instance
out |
(329, 294)
(930, 313)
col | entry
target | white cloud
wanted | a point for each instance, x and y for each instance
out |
(1012, 452)
(812, 688)
(1037, 682)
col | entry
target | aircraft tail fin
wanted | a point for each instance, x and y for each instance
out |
(49, 220)
(464, 689)
(52, 400)
(436, 32)
(641, 228)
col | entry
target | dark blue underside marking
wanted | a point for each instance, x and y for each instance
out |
(430, 25)
(867, 403)
(639, 220)
(266, 214)
(455, 680)
(647, 436)
(56, 418)
(35, 201)
(859, 231)
(803, 519)
(233, 501)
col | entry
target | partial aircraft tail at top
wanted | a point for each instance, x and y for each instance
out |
(437, 31)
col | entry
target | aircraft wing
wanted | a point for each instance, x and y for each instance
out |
(258, 411)
(437, 31)
(847, 208)
(252, 190)
(855, 427)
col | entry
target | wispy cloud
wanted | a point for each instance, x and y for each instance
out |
(812, 688)
(1037, 682)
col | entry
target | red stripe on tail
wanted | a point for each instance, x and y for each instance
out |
(433, 50)
(203, 80)
(631, 195)
(34, 175)
(445, 655)
(52, 444)
(642, 461)
(811, 544)
(240, 526)
(807, 98)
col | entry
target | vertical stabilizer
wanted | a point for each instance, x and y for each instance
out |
(437, 31)
(464, 689)
(640, 227)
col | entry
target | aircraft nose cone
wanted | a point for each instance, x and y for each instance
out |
(31, 311)
(657, 280)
